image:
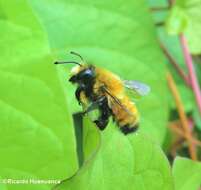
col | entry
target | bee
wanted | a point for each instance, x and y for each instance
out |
(98, 88)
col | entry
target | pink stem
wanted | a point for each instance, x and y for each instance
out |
(191, 70)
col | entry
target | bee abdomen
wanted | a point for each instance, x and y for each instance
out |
(126, 129)
(126, 120)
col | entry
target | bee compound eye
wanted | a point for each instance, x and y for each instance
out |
(87, 74)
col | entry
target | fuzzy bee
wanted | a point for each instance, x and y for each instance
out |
(100, 89)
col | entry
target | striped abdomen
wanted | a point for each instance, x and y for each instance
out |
(127, 115)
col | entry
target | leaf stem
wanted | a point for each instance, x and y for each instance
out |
(175, 128)
(182, 115)
(175, 64)
(171, 2)
(191, 70)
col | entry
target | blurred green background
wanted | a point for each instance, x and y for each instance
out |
(37, 136)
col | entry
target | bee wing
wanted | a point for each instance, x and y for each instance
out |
(138, 87)
(117, 101)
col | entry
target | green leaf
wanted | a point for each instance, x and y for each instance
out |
(159, 16)
(197, 119)
(37, 135)
(177, 22)
(91, 138)
(187, 174)
(122, 162)
(157, 3)
(172, 44)
(2, 184)
(23, 179)
(115, 35)
(185, 17)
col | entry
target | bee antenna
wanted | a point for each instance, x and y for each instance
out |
(77, 54)
(66, 62)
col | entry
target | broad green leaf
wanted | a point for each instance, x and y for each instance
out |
(160, 14)
(2, 184)
(157, 3)
(172, 44)
(178, 21)
(197, 119)
(37, 134)
(122, 162)
(91, 138)
(196, 114)
(185, 17)
(115, 35)
(20, 180)
(160, 17)
(187, 174)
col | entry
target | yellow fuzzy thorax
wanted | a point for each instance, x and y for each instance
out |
(103, 77)
(113, 82)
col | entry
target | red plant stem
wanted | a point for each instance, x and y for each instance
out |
(175, 64)
(191, 70)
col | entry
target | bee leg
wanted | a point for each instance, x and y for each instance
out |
(78, 92)
(101, 123)
(126, 129)
(101, 104)
(103, 119)
(94, 105)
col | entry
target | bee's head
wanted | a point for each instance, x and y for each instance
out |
(81, 73)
